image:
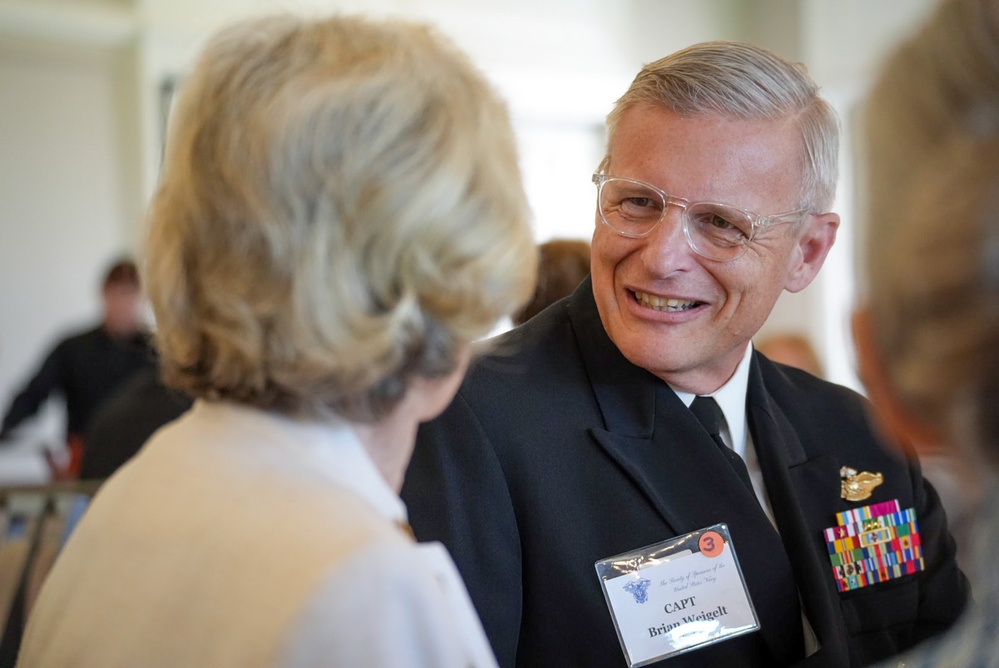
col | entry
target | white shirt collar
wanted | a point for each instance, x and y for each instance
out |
(731, 398)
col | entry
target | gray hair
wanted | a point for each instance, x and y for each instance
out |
(932, 258)
(340, 211)
(748, 82)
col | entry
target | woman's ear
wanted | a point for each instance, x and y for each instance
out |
(431, 396)
(896, 422)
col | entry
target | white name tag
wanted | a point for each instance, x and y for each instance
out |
(676, 596)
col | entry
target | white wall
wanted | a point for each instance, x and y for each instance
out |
(64, 206)
(80, 128)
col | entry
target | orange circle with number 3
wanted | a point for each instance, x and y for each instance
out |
(711, 543)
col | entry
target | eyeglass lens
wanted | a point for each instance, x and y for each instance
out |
(714, 230)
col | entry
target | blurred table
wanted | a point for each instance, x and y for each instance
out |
(35, 522)
(22, 462)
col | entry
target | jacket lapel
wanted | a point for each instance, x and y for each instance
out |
(792, 475)
(647, 430)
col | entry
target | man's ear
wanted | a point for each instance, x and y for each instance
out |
(811, 250)
(896, 422)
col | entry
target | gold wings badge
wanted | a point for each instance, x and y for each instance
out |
(858, 486)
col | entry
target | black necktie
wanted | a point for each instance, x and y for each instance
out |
(707, 411)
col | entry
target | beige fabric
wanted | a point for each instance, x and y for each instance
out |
(228, 538)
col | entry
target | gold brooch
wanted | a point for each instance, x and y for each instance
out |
(858, 486)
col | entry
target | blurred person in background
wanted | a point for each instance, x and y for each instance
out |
(792, 349)
(339, 217)
(86, 368)
(127, 419)
(927, 330)
(562, 265)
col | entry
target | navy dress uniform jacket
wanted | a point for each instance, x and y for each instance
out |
(558, 452)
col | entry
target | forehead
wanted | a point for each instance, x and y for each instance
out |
(754, 164)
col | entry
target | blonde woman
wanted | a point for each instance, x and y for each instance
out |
(928, 334)
(340, 215)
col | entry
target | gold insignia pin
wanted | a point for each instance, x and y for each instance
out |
(858, 486)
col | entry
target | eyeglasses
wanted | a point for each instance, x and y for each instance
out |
(716, 231)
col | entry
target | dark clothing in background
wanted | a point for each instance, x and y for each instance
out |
(126, 421)
(85, 369)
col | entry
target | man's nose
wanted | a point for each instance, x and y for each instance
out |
(666, 249)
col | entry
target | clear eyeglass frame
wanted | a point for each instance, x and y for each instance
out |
(734, 245)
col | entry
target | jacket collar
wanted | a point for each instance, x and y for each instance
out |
(624, 392)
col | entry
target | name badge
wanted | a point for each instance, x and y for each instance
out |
(676, 596)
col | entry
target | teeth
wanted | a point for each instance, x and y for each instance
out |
(660, 304)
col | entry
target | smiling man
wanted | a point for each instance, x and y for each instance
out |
(631, 429)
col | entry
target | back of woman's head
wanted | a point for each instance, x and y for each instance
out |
(340, 210)
(932, 248)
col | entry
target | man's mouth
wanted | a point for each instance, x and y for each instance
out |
(664, 304)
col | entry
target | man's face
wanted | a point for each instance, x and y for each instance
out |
(750, 164)
(122, 308)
